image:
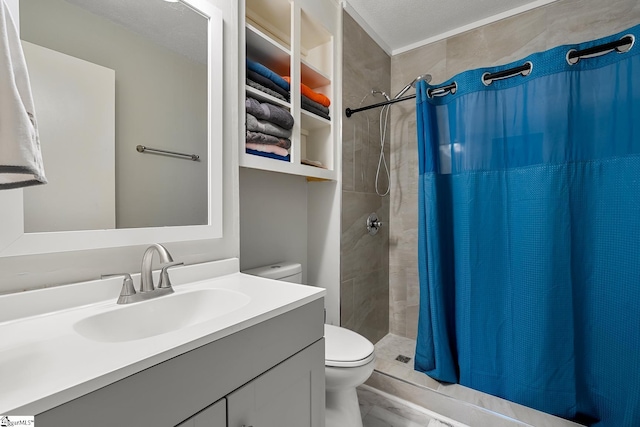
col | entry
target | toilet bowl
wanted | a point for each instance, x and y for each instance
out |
(349, 357)
(349, 361)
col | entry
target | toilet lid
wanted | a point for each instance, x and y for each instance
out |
(345, 348)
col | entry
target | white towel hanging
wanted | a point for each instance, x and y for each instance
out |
(20, 155)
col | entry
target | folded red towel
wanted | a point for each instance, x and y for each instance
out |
(311, 94)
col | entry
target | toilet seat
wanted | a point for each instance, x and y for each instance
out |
(345, 348)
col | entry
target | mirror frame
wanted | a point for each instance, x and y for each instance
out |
(15, 242)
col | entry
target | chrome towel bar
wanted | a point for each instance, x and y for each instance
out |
(142, 149)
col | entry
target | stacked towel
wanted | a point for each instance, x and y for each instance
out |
(315, 108)
(268, 130)
(265, 90)
(20, 155)
(262, 77)
(313, 101)
(266, 127)
(269, 112)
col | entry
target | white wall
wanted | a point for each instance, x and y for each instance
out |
(323, 235)
(285, 218)
(273, 219)
(28, 272)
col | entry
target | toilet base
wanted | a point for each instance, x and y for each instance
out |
(342, 409)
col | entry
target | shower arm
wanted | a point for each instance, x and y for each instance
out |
(397, 98)
(349, 111)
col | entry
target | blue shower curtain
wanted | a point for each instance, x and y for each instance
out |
(529, 234)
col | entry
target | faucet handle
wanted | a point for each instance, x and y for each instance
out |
(127, 290)
(165, 282)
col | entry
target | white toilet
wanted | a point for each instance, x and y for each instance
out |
(349, 357)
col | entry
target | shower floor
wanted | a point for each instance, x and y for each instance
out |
(462, 404)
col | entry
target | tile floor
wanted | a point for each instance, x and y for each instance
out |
(459, 405)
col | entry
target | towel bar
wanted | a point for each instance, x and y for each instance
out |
(142, 149)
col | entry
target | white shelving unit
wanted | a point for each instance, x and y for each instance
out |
(265, 97)
(283, 36)
(314, 77)
(290, 211)
(267, 51)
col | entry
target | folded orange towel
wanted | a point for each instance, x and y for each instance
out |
(311, 94)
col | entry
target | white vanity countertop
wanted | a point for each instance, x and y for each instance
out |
(44, 362)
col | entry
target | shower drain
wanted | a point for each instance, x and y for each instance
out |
(403, 359)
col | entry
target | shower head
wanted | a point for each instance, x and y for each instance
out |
(425, 77)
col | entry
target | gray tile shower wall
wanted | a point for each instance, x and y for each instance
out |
(364, 290)
(558, 23)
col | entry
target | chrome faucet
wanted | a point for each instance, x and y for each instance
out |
(147, 290)
(166, 261)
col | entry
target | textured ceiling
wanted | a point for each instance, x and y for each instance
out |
(399, 25)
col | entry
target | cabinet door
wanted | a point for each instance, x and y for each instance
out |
(288, 395)
(213, 416)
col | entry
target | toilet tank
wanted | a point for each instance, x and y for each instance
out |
(285, 271)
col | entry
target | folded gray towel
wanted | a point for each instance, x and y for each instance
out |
(265, 89)
(269, 112)
(313, 105)
(264, 126)
(267, 83)
(315, 111)
(263, 138)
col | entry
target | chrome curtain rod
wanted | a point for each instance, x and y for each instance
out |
(142, 149)
(573, 56)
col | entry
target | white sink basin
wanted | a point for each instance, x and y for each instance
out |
(160, 315)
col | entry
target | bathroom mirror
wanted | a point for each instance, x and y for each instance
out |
(108, 76)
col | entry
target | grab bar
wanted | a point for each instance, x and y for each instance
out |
(142, 149)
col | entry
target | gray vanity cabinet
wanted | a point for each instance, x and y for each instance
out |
(213, 416)
(268, 374)
(289, 395)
